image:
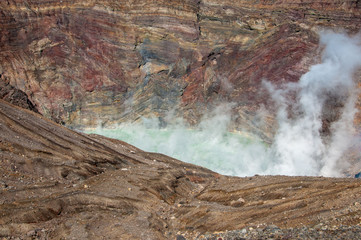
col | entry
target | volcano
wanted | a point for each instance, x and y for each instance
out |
(67, 66)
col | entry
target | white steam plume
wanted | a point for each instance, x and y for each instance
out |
(298, 148)
(209, 144)
(298, 145)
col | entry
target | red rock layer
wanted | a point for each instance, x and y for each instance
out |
(84, 62)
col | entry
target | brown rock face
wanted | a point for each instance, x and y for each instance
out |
(15, 96)
(91, 61)
(59, 184)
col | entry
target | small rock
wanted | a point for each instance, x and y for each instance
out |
(180, 237)
(3, 184)
(238, 203)
(31, 233)
(318, 226)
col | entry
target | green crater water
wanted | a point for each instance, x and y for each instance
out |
(224, 152)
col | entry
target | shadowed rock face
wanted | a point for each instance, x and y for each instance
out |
(106, 61)
(15, 96)
(59, 184)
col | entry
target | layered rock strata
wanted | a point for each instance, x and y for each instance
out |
(86, 62)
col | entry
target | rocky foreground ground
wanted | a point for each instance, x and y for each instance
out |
(59, 184)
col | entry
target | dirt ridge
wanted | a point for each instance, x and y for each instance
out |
(56, 183)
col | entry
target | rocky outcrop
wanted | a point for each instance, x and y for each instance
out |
(15, 96)
(106, 61)
(59, 184)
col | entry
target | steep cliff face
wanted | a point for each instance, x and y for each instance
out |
(85, 62)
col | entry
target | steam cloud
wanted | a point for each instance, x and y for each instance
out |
(298, 145)
(299, 148)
